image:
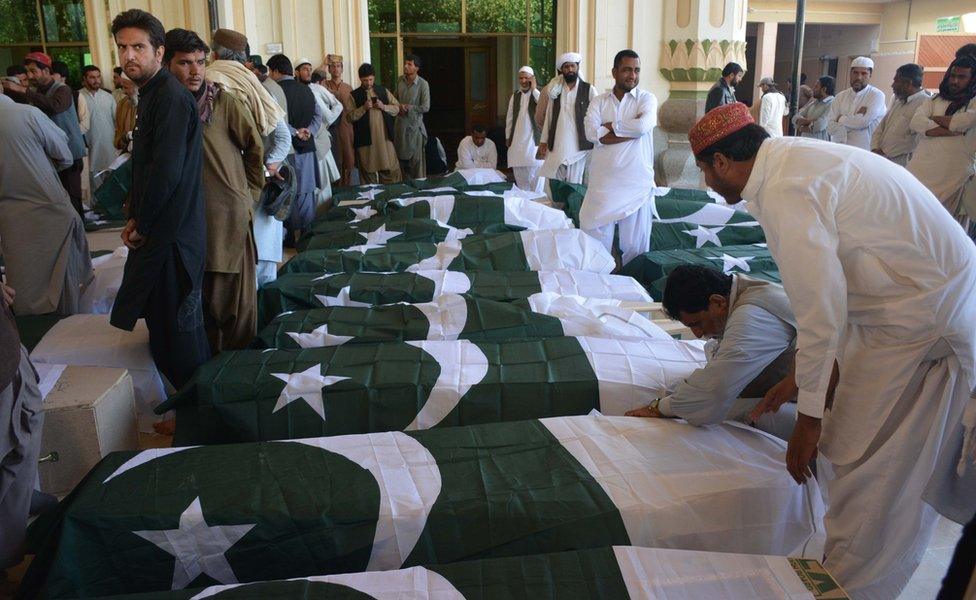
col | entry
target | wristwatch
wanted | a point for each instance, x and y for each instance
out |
(655, 404)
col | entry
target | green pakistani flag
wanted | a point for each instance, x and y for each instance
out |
(300, 291)
(377, 232)
(652, 268)
(256, 395)
(607, 573)
(178, 518)
(697, 224)
(463, 212)
(457, 316)
(547, 250)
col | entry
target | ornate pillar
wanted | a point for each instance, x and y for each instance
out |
(700, 37)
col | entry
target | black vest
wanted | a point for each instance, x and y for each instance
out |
(361, 135)
(517, 107)
(582, 103)
(301, 111)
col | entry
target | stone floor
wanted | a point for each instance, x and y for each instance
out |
(925, 584)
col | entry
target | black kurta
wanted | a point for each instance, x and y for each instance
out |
(163, 279)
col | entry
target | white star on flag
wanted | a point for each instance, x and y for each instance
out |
(198, 547)
(731, 262)
(705, 234)
(319, 338)
(361, 214)
(306, 386)
(376, 239)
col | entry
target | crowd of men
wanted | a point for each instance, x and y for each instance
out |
(876, 265)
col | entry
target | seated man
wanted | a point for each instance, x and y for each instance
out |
(476, 151)
(755, 331)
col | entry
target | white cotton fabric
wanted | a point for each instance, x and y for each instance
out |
(593, 285)
(409, 483)
(521, 152)
(632, 371)
(99, 296)
(462, 365)
(481, 176)
(90, 341)
(596, 317)
(721, 488)
(446, 316)
(572, 249)
(414, 583)
(664, 574)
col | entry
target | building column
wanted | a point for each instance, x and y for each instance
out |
(700, 37)
(765, 50)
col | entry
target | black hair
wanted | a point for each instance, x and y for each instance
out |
(412, 58)
(739, 146)
(689, 287)
(14, 70)
(183, 40)
(263, 69)
(281, 63)
(479, 128)
(959, 101)
(828, 84)
(61, 68)
(622, 55)
(85, 70)
(140, 19)
(912, 72)
(803, 78)
(731, 69)
(317, 76)
(117, 71)
(365, 70)
(967, 50)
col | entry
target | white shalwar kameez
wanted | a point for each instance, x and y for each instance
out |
(844, 123)
(565, 161)
(621, 181)
(473, 156)
(880, 279)
(331, 108)
(521, 154)
(944, 164)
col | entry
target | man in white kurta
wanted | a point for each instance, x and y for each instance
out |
(772, 107)
(856, 111)
(522, 134)
(96, 114)
(946, 124)
(880, 279)
(476, 151)
(620, 193)
(331, 109)
(564, 148)
(893, 138)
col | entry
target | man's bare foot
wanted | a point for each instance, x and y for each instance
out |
(165, 427)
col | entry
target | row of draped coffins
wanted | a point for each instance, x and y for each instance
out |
(401, 427)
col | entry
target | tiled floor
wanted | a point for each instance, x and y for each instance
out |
(928, 578)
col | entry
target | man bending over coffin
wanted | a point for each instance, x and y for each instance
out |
(755, 331)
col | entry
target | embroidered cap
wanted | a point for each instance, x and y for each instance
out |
(717, 124)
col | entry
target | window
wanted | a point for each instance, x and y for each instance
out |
(55, 27)
(531, 24)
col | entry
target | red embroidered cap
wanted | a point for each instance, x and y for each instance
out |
(718, 124)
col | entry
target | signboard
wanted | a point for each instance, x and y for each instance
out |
(948, 24)
(274, 48)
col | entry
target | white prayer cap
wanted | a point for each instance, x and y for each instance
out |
(303, 61)
(862, 62)
(569, 57)
(527, 70)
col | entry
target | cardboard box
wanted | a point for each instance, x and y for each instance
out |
(89, 413)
